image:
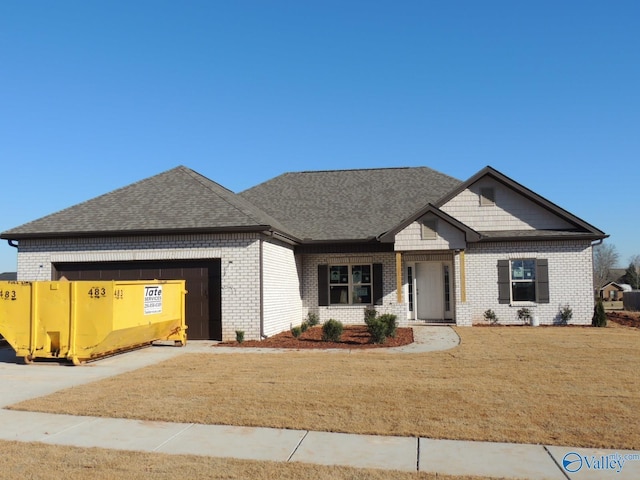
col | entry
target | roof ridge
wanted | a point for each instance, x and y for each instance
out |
(239, 200)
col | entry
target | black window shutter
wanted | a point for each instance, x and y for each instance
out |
(377, 284)
(542, 280)
(504, 287)
(323, 285)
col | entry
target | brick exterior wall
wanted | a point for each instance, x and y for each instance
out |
(351, 314)
(282, 296)
(570, 281)
(239, 254)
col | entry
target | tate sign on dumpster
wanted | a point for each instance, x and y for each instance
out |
(152, 299)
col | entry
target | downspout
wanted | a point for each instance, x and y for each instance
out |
(596, 289)
(12, 243)
(262, 335)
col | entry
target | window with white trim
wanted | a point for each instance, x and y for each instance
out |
(350, 284)
(523, 280)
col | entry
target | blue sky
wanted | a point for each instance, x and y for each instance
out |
(95, 95)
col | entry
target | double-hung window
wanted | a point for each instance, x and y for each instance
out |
(523, 280)
(349, 284)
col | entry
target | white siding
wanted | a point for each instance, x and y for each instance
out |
(282, 297)
(511, 211)
(239, 254)
(448, 238)
(570, 281)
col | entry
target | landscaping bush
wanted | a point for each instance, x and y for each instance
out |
(524, 314)
(389, 320)
(296, 332)
(370, 313)
(490, 316)
(332, 330)
(377, 329)
(239, 336)
(304, 326)
(566, 314)
(599, 317)
(313, 319)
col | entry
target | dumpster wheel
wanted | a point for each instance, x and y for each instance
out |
(27, 359)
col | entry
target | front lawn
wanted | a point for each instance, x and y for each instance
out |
(574, 386)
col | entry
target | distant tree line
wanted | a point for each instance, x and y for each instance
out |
(605, 260)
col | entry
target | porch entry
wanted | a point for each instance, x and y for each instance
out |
(434, 299)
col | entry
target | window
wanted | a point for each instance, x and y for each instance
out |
(487, 197)
(410, 284)
(523, 280)
(447, 288)
(429, 229)
(349, 284)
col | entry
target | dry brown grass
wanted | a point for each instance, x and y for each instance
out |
(559, 386)
(48, 462)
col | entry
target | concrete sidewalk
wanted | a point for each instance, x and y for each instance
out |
(19, 382)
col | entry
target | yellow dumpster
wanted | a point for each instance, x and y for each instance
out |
(85, 320)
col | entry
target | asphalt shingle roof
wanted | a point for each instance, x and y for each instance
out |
(348, 204)
(178, 199)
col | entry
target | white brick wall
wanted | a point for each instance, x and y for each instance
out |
(351, 314)
(570, 281)
(282, 294)
(511, 212)
(239, 254)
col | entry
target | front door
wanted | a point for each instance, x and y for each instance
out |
(433, 288)
(430, 291)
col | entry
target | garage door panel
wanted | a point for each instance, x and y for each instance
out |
(204, 318)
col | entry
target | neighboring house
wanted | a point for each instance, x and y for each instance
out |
(614, 292)
(409, 241)
(8, 276)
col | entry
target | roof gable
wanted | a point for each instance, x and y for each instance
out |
(520, 210)
(176, 200)
(342, 205)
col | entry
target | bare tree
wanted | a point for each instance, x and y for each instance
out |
(605, 257)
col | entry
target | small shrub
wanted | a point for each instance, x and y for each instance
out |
(524, 314)
(332, 330)
(313, 319)
(370, 313)
(391, 324)
(599, 316)
(566, 314)
(304, 326)
(239, 336)
(296, 332)
(490, 316)
(377, 329)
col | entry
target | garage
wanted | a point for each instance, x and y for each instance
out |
(203, 282)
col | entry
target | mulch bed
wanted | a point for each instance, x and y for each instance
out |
(353, 337)
(628, 319)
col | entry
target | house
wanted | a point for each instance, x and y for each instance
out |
(413, 242)
(5, 276)
(614, 292)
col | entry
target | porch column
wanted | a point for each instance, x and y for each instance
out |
(399, 276)
(463, 278)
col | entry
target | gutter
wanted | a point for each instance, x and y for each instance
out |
(12, 243)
